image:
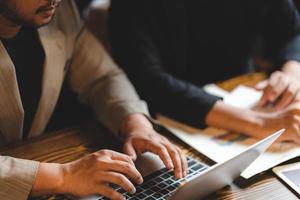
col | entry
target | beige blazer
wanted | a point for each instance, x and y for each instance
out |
(72, 53)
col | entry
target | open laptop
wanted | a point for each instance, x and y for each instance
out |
(160, 183)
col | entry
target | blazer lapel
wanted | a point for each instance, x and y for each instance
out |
(11, 109)
(54, 44)
(177, 29)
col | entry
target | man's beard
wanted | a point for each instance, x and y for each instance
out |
(9, 14)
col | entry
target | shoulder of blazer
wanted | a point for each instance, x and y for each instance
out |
(67, 17)
(68, 21)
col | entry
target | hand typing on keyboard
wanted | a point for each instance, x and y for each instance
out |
(93, 174)
(140, 137)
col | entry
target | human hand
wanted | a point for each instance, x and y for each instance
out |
(281, 89)
(93, 174)
(140, 137)
(288, 118)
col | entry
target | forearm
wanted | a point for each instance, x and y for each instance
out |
(234, 119)
(114, 101)
(49, 180)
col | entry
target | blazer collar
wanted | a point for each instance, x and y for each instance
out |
(54, 44)
(12, 112)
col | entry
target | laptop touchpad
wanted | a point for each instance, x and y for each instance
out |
(148, 163)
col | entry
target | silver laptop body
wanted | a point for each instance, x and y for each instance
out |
(211, 179)
(222, 174)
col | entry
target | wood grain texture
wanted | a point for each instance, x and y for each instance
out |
(72, 143)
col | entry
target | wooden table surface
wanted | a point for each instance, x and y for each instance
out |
(72, 143)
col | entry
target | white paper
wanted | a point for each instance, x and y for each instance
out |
(243, 97)
(220, 145)
(215, 90)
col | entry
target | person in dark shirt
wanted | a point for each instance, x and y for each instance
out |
(171, 48)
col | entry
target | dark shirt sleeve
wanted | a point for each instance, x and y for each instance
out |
(281, 31)
(135, 50)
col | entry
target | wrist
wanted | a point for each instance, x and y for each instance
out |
(49, 180)
(133, 122)
(261, 124)
(255, 121)
(249, 122)
(233, 118)
(66, 174)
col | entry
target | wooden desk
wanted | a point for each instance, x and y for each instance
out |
(70, 144)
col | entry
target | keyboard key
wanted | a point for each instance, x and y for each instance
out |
(158, 179)
(165, 176)
(197, 167)
(155, 188)
(171, 188)
(161, 185)
(191, 163)
(164, 192)
(138, 189)
(171, 173)
(169, 182)
(157, 195)
(163, 170)
(141, 196)
(191, 171)
(145, 186)
(152, 183)
(149, 192)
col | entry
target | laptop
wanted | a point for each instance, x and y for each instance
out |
(202, 180)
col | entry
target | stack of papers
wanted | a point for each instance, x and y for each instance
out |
(220, 145)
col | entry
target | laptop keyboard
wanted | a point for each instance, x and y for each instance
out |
(160, 184)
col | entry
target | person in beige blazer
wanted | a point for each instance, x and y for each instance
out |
(71, 52)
